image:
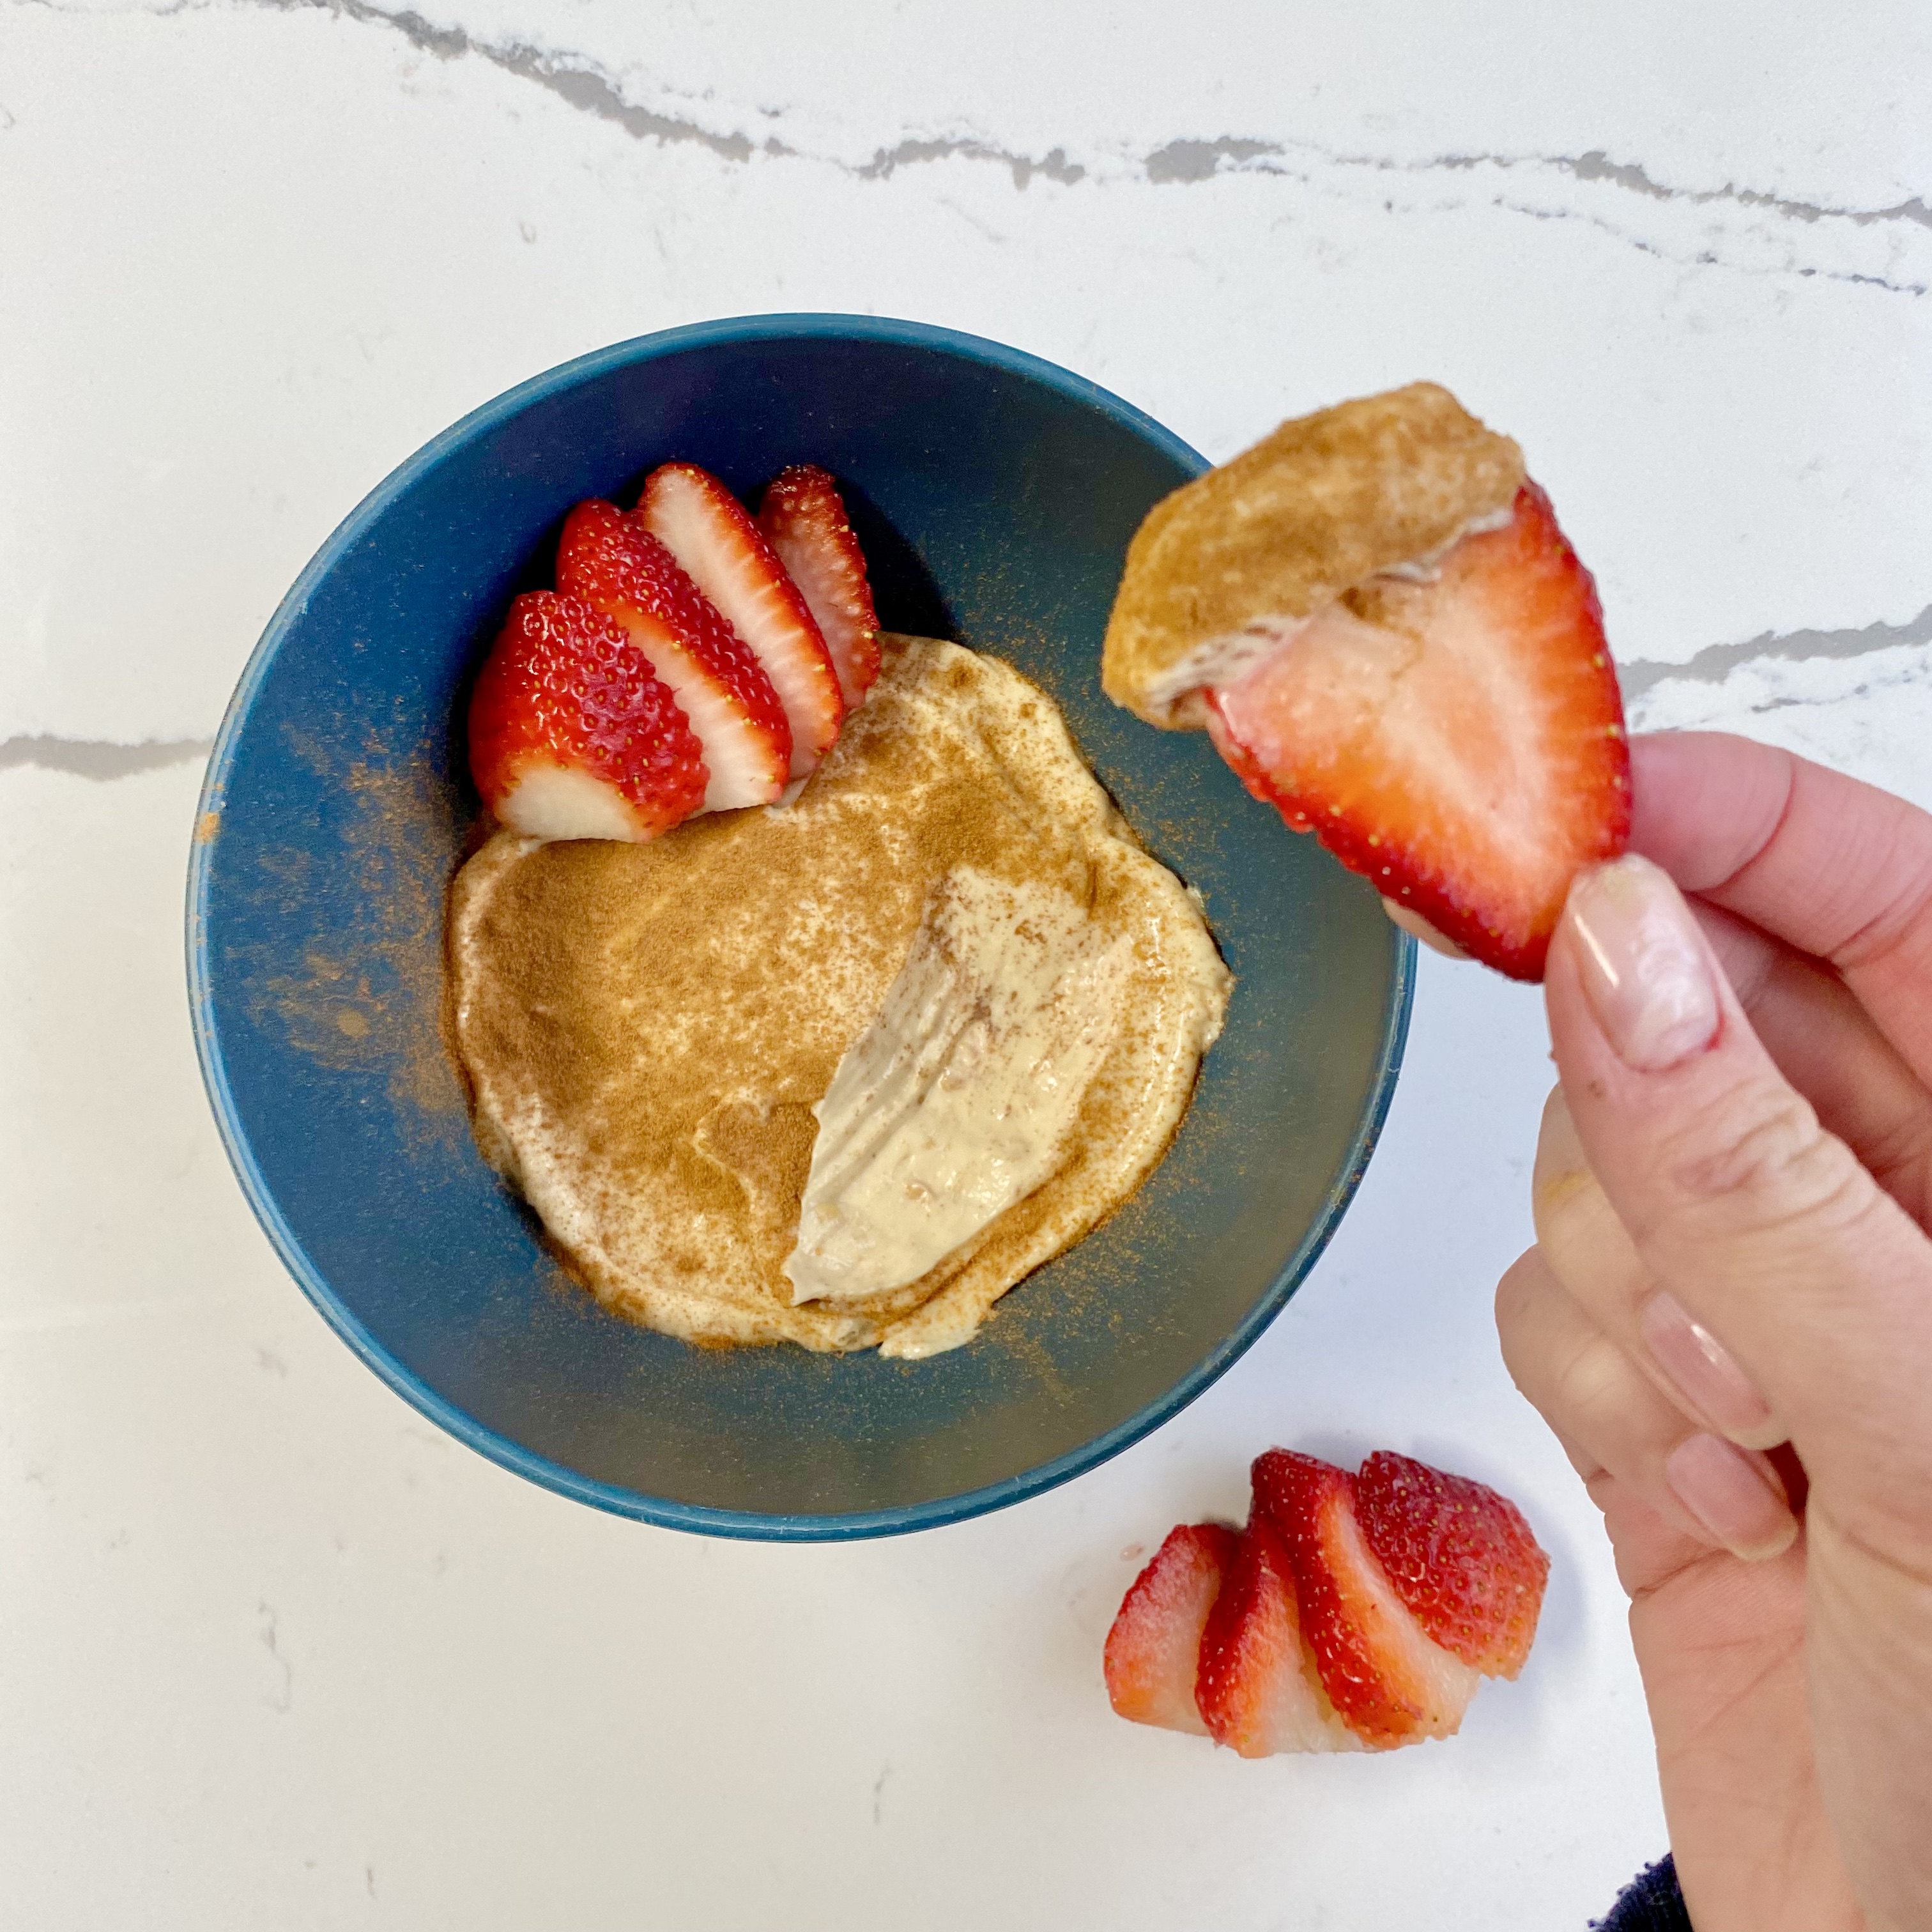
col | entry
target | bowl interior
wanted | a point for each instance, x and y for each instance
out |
(995, 496)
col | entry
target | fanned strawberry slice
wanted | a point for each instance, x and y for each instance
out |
(1457, 738)
(1258, 1686)
(803, 517)
(713, 538)
(1156, 1640)
(571, 734)
(1391, 1684)
(1459, 1555)
(612, 561)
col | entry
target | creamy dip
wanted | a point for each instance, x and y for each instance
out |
(840, 1073)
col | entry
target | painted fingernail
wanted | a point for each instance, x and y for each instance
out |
(1736, 1500)
(1703, 1371)
(1645, 972)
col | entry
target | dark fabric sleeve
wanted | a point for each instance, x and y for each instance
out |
(1650, 1903)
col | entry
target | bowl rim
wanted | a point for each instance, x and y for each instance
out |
(700, 1518)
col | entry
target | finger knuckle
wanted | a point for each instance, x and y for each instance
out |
(1589, 1378)
(1759, 1152)
(1559, 1201)
(1514, 1294)
(1586, 1244)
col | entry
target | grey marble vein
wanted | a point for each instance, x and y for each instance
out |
(1053, 167)
(585, 84)
(1192, 161)
(1186, 161)
(1598, 166)
(580, 82)
(1716, 662)
(101, 758)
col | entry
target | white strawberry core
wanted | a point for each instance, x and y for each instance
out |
(553, 801)
(1295, 1714)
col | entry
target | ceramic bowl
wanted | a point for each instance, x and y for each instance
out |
(994, 495)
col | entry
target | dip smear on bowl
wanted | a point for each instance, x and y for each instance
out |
(949, 968)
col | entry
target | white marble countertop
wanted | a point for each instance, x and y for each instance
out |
(277, 1653)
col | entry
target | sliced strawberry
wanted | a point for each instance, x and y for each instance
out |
(707, 530)
(612, 561)
(803, 517)
(1156, 1640)
(1257, 1686)
(571, 734)
(1459, 1555)
(1458, 739)
(1391, 1684)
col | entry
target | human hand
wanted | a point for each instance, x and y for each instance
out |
(1733, 1194)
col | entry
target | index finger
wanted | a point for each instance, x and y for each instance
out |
(1839, 869)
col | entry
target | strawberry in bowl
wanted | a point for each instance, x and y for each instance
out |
(339, 807)
(677, 668)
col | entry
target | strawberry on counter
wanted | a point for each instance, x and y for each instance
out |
(1256, 1686)
(1459, 1555)
(1153, 1649)
(1392, 1684)
(1354, 1612)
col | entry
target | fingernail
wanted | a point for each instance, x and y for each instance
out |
(1416, 927)
(1726, 1491)
(1645, 972)
(1702, 1369)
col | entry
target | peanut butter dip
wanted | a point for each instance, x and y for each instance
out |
(944, 1007)
(1234, 564)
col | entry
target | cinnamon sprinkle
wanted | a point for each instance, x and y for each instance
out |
(645, 1028)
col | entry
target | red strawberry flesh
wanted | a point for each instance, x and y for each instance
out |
(571, 734)
(1458, 741)
(1459, 1555)
(1153, 1647)
(1257, 1686)
(712, 537)
(803, 517)
(1391, 1684)
(613, 562)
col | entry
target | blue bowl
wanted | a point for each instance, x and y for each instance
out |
(994, 495)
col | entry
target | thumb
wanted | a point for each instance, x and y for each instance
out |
(1764, 1227)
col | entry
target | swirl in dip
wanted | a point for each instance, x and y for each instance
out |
(840, 1073)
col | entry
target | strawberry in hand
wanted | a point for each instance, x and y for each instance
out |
(1456, 738)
